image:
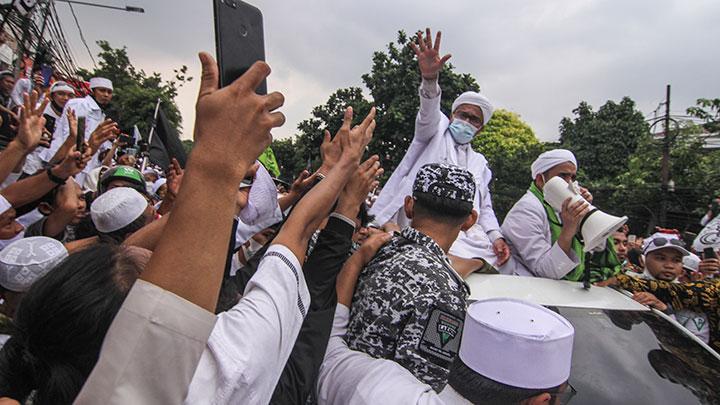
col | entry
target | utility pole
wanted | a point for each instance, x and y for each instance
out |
(665, 164)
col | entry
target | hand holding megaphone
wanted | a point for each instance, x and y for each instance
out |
(595, 226)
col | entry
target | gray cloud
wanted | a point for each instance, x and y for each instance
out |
(539, 59)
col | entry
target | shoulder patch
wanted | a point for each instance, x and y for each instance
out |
(442, 334)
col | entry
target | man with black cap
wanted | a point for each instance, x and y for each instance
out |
(410, 303)
(441, 139)
(7, 84)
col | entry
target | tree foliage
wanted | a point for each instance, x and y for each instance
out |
(707, 110)
(603, 140)
(135, 91)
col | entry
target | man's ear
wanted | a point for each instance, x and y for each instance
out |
(409, 207)
(45, 208)
(470, 221)
(539, 399)
(539, 181)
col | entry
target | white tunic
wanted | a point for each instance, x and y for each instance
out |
(250, 344)
(433, 143)
(527, 232)
(354, 378)
(83, 107)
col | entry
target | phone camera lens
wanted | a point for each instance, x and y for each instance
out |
(232, 3)
(243, 30)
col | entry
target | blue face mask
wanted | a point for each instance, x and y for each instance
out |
(461, 131)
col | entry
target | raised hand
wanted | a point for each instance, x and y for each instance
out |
(302, 183)
(31, 122)
(73, 163)
(330, 152)
(233, 123)
(428, 54)
(106, 131)
(174, 178)
(353, 141)
(359, 186)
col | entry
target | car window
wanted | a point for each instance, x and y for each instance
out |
(638, 357)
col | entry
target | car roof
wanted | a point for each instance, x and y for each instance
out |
(543, 291)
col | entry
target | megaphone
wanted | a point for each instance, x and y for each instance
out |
(596, 226)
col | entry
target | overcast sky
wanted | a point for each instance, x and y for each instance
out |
(536, 58)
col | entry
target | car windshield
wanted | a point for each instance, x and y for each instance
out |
(626, 357)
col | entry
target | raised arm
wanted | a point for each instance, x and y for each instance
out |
(30, 129)
(430, 63)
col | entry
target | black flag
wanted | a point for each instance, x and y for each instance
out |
(166, 144)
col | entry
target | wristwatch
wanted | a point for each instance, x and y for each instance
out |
(55, 179)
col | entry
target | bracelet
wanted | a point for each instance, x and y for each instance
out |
(55, 179)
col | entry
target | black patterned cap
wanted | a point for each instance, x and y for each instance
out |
(446, 182)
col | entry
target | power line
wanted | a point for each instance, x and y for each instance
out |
(82, 37)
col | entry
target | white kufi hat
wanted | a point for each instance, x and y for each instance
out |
(471, 97)
(101, 82)
(117, 208)
(26, 260)
(548, 160)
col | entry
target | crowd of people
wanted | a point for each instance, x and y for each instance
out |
(122, 282)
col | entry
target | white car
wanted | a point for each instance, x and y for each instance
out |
(624, 352)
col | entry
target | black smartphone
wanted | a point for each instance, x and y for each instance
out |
(127, 140)
(709, 253)
(80, 140)
(239, 39)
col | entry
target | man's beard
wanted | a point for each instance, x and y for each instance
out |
(56, 107)
(103, 107)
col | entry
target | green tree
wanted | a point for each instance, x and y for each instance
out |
(136, 92)
(707, 110)
(510, 146)
(603, 140)
(393, 86)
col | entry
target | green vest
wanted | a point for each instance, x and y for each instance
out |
(602, 265)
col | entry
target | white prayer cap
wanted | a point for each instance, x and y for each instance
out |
(91, 180)
(117, 208)
(517, 343)
(150, 170)
(691, 262)
(548, 160)
(101, 82)
(156, 186)
(61, 86)
(471, 97)
(26, 260)
(4, 204)
(661, 240)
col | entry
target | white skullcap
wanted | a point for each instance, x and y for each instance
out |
(4, 204)
(517, 343)
(150, 170)
(26, 260)
(61, 86)
(262, 200)
(156, 186)
(91, 180)
(691, 262)
(117, 208)
(101, 82)
(548, 160)
(471, 97)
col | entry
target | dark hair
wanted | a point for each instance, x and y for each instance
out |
(450, 212)
(634, 255)
(119, 236)
(61, 322)
(482, 390)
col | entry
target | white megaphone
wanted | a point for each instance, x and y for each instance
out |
(596, 226)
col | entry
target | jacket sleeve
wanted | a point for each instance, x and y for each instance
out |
(298, 378)
(530, 236)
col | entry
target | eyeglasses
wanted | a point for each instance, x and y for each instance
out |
(473, 119)
(664, 241)
(564, 397)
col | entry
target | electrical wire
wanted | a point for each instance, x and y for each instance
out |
(82, 37)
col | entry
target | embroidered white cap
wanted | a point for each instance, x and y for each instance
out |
(26, 260)
(117, 208)
(517, 343)
(101, 82)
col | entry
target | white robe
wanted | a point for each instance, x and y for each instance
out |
(433, 143)
(527, 232)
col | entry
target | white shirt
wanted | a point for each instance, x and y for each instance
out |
(83, 107)
(353, 378)
(527, 232)
(250, 344)
(433, 143)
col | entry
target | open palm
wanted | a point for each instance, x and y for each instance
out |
(428, 54)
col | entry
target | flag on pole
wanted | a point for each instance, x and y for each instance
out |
(166, 144)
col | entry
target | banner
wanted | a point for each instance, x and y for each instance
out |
(267, 158)
(709, 236)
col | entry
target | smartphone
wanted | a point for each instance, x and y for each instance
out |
(239, 39)
(709, 253)
(632, 238)
(80, 140)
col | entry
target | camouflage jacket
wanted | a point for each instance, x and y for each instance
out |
(409, 306)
